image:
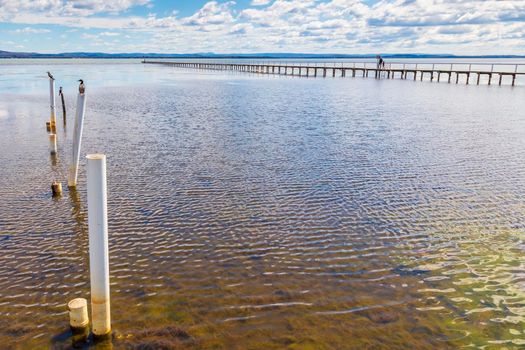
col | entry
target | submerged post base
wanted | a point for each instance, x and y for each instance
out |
(56, 188)
(100, 312)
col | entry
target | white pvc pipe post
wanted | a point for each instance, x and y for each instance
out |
(53, 144)
(78, 314)
(77, 138)
(52, 103)
(98, 243)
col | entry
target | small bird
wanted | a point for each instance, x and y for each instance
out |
(49, 75)
(81, 87)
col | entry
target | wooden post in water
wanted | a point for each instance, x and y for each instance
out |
(56, 189)
(77, 136)
(98, 243)
(63, 104)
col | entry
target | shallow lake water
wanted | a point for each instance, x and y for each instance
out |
(267, 212)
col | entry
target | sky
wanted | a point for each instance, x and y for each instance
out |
(469, 27)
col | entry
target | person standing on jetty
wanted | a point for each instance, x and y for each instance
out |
(380, 65)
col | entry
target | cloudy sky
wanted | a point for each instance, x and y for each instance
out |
(247, 26)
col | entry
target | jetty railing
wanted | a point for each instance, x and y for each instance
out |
(394, 69)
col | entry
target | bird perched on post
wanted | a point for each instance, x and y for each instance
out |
(50, 76)
(81, 87)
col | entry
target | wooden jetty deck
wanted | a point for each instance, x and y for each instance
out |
(426, 71)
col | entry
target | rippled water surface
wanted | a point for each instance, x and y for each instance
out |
(263, 212)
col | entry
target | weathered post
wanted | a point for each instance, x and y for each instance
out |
(77, 136)
(98, 243)
(56, 189)
(78, 314)
(53, 119)
(63, 104)
(53, 144)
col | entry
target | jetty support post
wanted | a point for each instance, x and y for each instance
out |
(98, 243)
(77, 138)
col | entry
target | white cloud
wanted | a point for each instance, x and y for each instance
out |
(30, 30)
(260, 2)
(64, 7)
(338, 26)
(211, 13)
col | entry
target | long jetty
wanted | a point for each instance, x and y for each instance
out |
(414, 71)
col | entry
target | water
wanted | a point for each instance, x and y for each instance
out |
(253, 211)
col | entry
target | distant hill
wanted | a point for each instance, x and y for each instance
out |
(7, 54)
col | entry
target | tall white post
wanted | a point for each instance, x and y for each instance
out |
(52, 103)
(77, 138)
(98, 243)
